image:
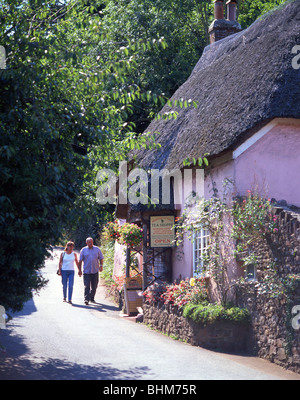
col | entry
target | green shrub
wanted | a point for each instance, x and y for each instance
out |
(108, 251)
(208, 314)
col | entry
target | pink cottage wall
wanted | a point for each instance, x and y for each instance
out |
(269, 163)
(272, 164)
(183, 256)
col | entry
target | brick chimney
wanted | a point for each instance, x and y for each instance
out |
(221, 27)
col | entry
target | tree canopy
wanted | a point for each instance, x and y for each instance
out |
(63, 108)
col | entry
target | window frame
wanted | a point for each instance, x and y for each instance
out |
(249, 276)
(200, 246)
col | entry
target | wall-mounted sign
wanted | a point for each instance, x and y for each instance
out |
(162, 233)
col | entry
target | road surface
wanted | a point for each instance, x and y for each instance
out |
(53, 340)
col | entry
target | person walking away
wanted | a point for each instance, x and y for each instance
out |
(67, 270)
(90, 256)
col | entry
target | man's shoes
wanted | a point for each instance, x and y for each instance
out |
(86, 303)
(93, 301)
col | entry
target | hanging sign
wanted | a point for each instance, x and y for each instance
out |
(162, 233)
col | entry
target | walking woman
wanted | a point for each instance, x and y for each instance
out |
(67, 270)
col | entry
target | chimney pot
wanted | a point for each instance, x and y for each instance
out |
(231, 10)
(221, 27)
(219, 9)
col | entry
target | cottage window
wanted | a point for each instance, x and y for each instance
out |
(250, 272)
(200, 245)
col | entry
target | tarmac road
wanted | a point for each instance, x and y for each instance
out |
(53, 340)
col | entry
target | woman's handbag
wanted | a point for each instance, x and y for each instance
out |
(57, 272)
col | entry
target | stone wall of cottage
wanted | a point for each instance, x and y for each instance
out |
(272, 334)
(274, 337)
(221, 336)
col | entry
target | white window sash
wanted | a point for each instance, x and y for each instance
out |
(200, 244)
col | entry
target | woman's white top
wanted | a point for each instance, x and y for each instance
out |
(68, 262)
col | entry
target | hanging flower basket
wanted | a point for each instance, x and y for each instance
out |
(131, 235)
(112, 231)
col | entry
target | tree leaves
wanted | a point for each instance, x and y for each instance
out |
(200, 161)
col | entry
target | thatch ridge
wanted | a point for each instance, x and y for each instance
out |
(240, 82)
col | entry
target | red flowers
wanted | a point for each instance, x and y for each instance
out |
(111, 231)
(128, 234)
(179, 294)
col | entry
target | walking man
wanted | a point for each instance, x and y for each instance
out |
(90, 256)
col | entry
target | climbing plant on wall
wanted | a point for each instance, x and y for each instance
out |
(234, 226)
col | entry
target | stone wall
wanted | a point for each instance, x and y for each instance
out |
(273, 335)
(220, 336)
(284, 247)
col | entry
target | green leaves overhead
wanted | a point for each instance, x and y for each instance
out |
(65, 99)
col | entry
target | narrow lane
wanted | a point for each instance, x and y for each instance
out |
(53, 340)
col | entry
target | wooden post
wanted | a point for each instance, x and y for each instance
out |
(145, 242)
(127, 262)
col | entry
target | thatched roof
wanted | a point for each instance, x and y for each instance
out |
(240, 83)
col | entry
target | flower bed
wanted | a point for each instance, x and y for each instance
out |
(178, 294)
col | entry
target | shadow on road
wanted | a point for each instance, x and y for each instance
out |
(60, 370)
(97, 307)
(15, 366)
(54, 369)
